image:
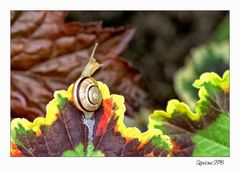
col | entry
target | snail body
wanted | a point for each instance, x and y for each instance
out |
(86, 95)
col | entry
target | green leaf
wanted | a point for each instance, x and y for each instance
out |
(91, 150)
(214, 140)
(62, 101)
(79, 151)
(189, 130)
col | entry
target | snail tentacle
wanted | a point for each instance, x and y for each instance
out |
(92, 65)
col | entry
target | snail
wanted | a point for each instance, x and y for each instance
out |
(86, 94)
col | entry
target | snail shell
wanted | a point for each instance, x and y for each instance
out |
(86, 95)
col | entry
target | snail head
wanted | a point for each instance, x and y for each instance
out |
(92, 64)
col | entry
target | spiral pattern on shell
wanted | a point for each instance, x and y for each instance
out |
(86, 95)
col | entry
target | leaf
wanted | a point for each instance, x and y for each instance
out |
(79, 151)
(213, 141)
(213, 57)
(15, 152)
(47, 54)
(66, 132)
(204, 132)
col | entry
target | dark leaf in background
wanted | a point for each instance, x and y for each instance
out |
(47, 54)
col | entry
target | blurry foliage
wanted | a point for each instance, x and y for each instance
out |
(222, 32)
(213, 56)
(139, 120)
